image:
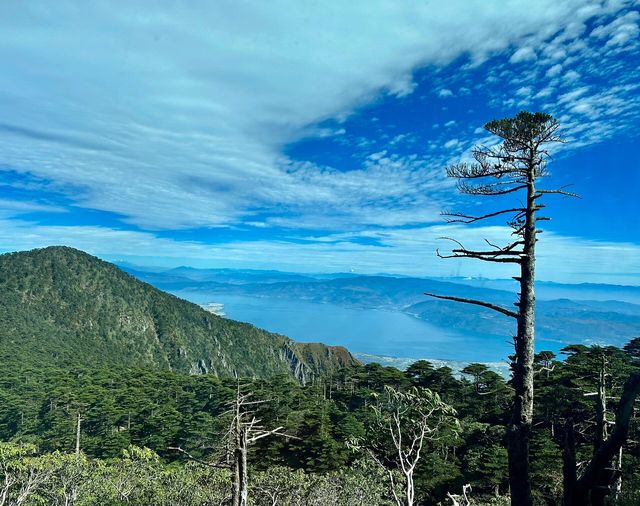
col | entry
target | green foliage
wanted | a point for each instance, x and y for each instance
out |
(157, 409)
(520, 130)
(485, 460)
(632, 348)
(62, 307)
(362, 484)
(136, 478)
(78, 336)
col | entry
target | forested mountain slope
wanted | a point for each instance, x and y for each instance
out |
(62, 306)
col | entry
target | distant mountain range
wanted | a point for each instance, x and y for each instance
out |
(61, 306)
(549, 290)
(591, 315)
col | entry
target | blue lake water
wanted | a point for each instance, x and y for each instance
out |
(374, 331)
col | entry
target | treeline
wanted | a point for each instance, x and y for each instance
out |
(170, 430)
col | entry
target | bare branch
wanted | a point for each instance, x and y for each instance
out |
(464, 218)
(559, 191)
(489, 256)
(274, 432)
(506, 248)
(486, 256)
(486, 189)
(495, 307)
(476, 170)
(196, 459)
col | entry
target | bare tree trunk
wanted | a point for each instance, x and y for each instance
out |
(594, 483)
(601, 408)
(240, 479)
(522, 416)
(410, 492)
(78, 435)
(617, 486)
(242, 469)
(236, 489)
(569, 476)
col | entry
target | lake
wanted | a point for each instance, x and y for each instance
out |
(373, 331)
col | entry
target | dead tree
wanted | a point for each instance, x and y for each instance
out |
(460, 500)
(78, 428)
(513, 169)
(601, 405)
(595, 482)
(244, 431)
(403, 424)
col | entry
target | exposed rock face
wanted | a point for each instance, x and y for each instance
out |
(202, 366)
(309, 360)
(297, 367)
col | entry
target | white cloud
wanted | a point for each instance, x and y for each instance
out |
(621, 31)
(177, 117)
(545, 92)
(555, 70)
(9, 208)
(524, 91)
(409, 251)
(402, 87)
(573, 94)
(571, 76)
(523, 54)
(444, 92)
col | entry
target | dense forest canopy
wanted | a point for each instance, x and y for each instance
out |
(132, 418)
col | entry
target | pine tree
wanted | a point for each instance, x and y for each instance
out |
(512, 168)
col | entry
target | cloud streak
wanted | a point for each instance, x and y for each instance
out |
(409, 251)
(177, 118)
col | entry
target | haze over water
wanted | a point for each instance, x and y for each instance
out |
(373, 331)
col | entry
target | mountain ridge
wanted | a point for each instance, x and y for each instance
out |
(62, 305)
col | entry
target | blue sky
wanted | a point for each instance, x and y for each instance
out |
(311, 136)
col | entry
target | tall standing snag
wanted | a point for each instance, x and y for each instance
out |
(244, 431)
(513, 168)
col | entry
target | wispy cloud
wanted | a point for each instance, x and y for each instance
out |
(409, 251)
(186, 120)
(177, 118)
(10, 208)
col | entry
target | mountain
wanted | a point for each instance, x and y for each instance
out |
(212, 279)
(235, 276)
(63, 306)
(589, 315)
(188, 277)
(559, 321)
(357, 291)
(549, 290)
